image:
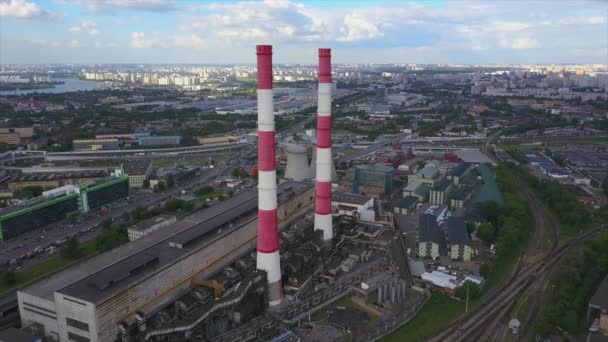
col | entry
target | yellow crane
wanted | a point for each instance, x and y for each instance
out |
(218, 288)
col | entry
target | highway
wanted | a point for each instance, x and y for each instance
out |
(27, 242)
(89, 226)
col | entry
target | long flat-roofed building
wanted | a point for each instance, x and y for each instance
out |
(90, 301)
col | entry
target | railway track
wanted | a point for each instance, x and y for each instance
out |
(484, 323)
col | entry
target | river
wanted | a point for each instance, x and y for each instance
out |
(69, 85)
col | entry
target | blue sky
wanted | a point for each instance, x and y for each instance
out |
(190, 31)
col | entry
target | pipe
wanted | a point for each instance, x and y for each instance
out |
(268, 258)
(323, 219)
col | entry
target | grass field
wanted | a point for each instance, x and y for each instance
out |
(434, 316)
(162, 162)
(501, 269)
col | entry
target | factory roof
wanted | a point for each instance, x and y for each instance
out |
(137, 166)
(348, 197)
(382, 168)
(489, 190)
(441, 279)
(442, 185)
(150, 222)
(416, 267)
(457, 232)
(428, 171)
(422, 190)
(42, 177)
(99, 277)
(460, 169)
(474, 157)
(462, 193)
(600, 298)
(428, 230)
(407, 202)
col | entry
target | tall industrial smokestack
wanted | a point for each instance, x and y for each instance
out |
(323, 220)
(268, 258)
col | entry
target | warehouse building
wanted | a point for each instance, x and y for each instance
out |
(357, 206)
(159, 140)
(91, 301)
(376, 180)
(149, 226)
(138, 171)
(440, 191)
(55, 179)
(42, 210)
(459, 242)
(429, 237)
(95, 144)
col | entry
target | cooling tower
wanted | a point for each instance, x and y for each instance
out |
(297, 163)
(268, 258)
(313, 166)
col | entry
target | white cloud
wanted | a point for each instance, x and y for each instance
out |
(22, 9)
(521, 43)
(511, 26)
(140, 40)
(457, 31)
(114, 5)
(86, 26)
(595, 20)
(73, 43)
(191, 40)
(358, 27)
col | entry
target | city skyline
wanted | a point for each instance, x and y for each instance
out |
(170, 31)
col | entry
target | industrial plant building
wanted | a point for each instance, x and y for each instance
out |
(159, 140)
(95, 144)
(44, 210)
(94, 300)
(375, 180)
(429, 237)
(246, 267)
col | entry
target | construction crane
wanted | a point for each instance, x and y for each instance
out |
(218, 288)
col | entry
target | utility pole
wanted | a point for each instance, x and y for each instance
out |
(466, 307)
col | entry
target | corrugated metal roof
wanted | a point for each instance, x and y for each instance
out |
(489, 190)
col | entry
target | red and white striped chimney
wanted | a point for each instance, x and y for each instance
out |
(268, 258)
(323, 219)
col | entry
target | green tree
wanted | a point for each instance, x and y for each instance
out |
(71, 250)
(36, 190)
(486, 232)
(490, 211)
(207, 189)
(9, 277)
(239, 173)
(106, 223)
(485, 269)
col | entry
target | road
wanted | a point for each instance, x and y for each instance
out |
(88, 228)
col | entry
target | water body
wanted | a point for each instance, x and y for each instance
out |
(69, 85)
